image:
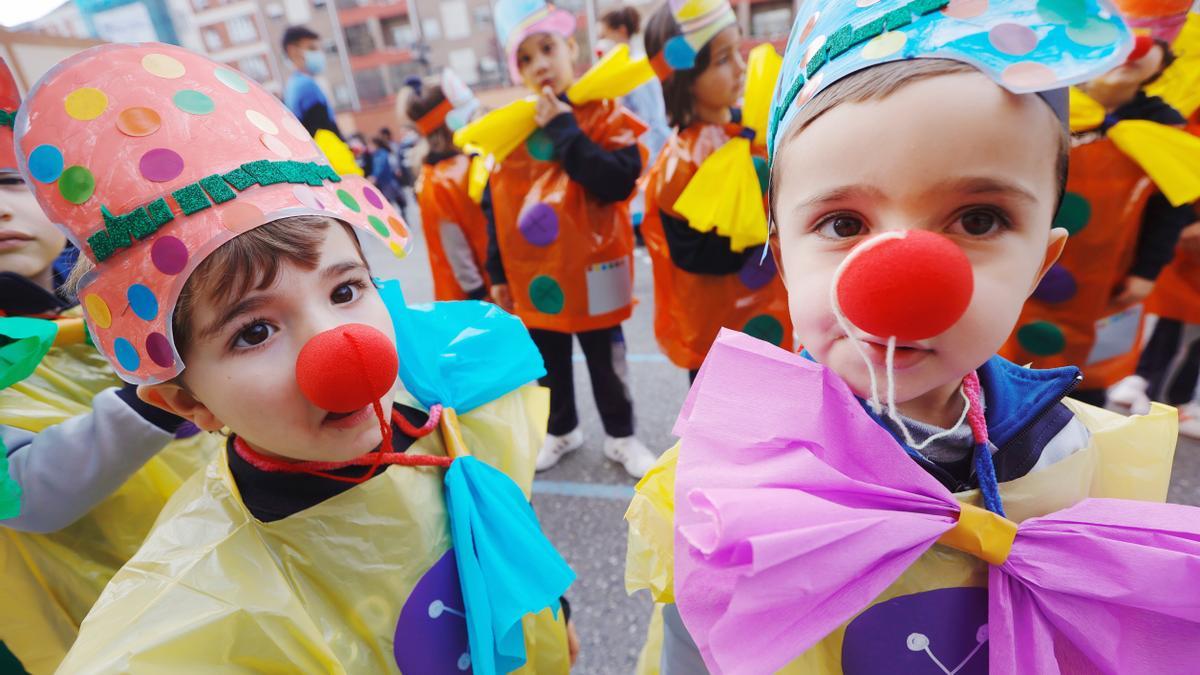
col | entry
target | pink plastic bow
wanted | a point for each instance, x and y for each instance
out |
(795, 511)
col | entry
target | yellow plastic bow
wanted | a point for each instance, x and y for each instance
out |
(726, 193)
(1179, 85)
(338, 153)
(981, 533)
(503, 130)
(1170, 156)
(477, 175)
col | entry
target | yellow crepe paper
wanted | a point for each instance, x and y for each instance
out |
(501, 131)
(1170, 156)
(1179, 85)
(1086, 113)
(762, 72)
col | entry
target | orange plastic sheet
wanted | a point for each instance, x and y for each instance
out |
(444, 199)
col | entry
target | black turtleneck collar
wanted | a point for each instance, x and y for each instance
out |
(21, 297)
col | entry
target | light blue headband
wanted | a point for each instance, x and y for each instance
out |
(1026, 46)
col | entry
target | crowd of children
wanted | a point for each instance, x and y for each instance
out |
(905, 266)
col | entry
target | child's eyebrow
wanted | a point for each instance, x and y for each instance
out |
(340, 268)
(841, 194)
(978, 185)
(244, 306)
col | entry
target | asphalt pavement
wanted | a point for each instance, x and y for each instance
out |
(581, 502)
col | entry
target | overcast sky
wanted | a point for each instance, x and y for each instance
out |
(13, 12)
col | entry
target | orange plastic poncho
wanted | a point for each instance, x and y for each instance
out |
(1102, 209)
(689, 309)
(1177, 291)
(567, 256)
(443, 197)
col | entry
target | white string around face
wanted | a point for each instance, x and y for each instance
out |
(890, 371)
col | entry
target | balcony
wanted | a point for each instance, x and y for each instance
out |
(351, 12)
(381, 57)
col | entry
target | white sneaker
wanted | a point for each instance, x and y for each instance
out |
(1189, 420)
(1130, 394)
(555, 447)
(630, 453)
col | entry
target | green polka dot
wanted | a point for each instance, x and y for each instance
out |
(1041, 338)
(764, 174)
(765, 328)
(76, 184)
(232, 80)
(546, 295)
(349, 201)
(194, 102)
(1072, 12)
(1074, 213)
(379, 226)
(540, 146)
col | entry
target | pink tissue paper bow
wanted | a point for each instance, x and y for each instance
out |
(795, 511)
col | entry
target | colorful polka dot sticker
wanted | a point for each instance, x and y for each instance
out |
(126, 354)
(46, 163)
(142, 302)
(307, 197)
(276, 146)
(766, 328)
(1013, 38)
(398, 250)
(161, 65)
(379, 226)
(546, 295)
(883, 46)
(398, 227)
(539, 225)
(193, 102)
(239, 216)
(965, 9)
(97, 309)
(161, 165)
(261, 121)
(1074, 213)
(86, 103)
(540, 146)
(757, 271)
(138, 121)
(76, 184)
(232, 80)
(169, 255)
(349, 201)
(293, 127)
(1041, 338)
(372, 196)
(158, 348)
(1057, 286)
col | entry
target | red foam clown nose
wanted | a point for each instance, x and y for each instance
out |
(346, 368)
(912, 287)
(1141, 47)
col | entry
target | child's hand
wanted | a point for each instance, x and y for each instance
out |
(502, 297)
(548, 107)
(572, 642)
(1134, 290)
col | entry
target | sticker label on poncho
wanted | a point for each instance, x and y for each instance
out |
(431, 633)
(1116, 335)
(609, 286)
(937, 632)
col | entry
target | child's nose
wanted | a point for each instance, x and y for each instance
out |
(346, 368)
(911, 285)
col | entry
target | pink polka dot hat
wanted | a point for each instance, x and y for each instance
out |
(10, 99)
(150, 157)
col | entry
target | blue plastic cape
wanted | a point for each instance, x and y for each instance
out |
(460, 354)
(506, 566)
(23, 343)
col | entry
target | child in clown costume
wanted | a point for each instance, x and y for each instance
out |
(455, 227)
(704, 230)
(561, 239)
(95, 464)
(898, 499)
(1124, 214)
(226, 270)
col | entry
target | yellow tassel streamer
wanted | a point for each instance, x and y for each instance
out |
(338, 153)
(503, 130)
(1170, 156)
(1179, 85)
(477, 176)
(762, 72)
(1086, 113)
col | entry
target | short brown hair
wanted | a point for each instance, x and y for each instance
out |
(677, 88)
(625, 17)
(418, 98)
(249, 261)
(879, 82)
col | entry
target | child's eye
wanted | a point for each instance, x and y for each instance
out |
(253, 334)
(347, 292)
(979, 222)
(842, 226)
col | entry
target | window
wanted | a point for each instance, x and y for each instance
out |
(770, 21)
(370, 84)
(358, 39)
(256, 67)
(432, 30)
(212, 40)
(483, 15)
(398, 33)
(455, 19)
(464, 62)
(241, 30)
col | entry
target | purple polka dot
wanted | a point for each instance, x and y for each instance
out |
(159, 349)
(161, 165)
(539, 225)
(1013, 39)
(373, 197)
(758, 271)
(1057, 286)
(169, 254)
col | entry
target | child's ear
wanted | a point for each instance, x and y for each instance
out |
(573, 48)
(777, 254)
(180, 402)
(1054, 250)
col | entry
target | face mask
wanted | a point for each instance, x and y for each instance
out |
(314, 61)
(604, 45)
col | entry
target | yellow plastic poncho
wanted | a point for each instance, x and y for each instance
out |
(215, 590)
(48, 582)
(1127, 458)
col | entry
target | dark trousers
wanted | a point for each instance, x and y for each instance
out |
(604, 351)
(1171, 362)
